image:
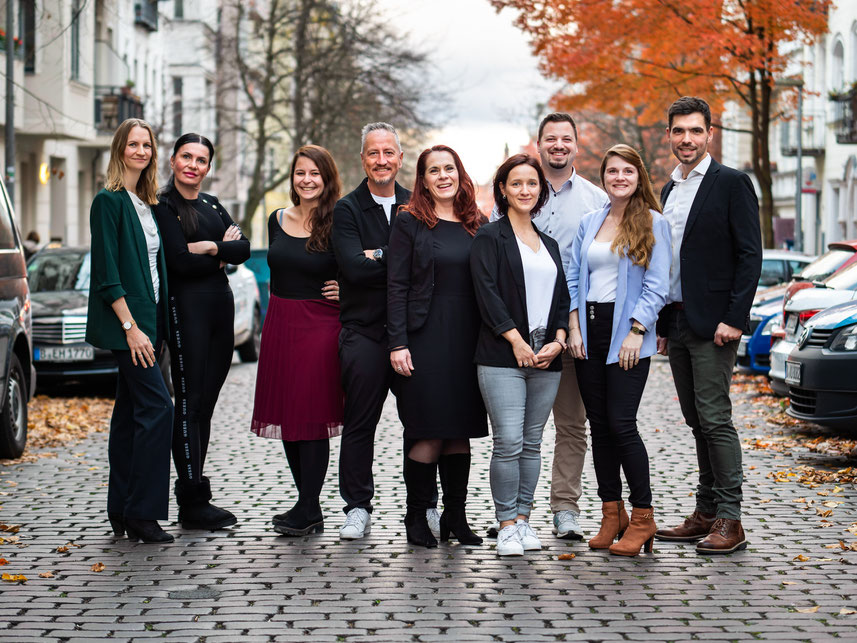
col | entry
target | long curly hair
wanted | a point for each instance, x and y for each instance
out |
(147, 185)
(635, 236)
(464, 206)
(321, 216)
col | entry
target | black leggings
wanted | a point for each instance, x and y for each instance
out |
(201, 348)
(611, 396)
(308, 461)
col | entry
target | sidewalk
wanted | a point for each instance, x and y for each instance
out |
(250, 584)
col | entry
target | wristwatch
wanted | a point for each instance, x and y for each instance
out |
(637, 330)
(378, 254)
(126, 326)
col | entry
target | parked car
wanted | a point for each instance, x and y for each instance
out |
(778, 266)
(258, 264)
(754, 351)
(839, 256)
(804, 304)
(59, 282)
(821, 371)
(17, 375)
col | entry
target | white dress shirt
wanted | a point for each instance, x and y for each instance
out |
(676, 211)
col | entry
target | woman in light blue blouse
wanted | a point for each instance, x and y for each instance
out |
(618, 280)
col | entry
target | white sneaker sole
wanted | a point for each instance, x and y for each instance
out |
(510, 553)
(365, 533)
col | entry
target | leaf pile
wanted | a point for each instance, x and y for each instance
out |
(55, 422)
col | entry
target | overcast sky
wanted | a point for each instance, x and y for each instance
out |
(484, 64)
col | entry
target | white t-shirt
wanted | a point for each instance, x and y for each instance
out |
(539, 281)
(603, 272)
(153, 241)
(385, 202)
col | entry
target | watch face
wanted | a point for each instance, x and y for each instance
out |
(126, 325)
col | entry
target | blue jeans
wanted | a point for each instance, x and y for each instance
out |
(519, 402)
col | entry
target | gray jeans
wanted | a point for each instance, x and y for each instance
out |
(702, 372)
(519, 402)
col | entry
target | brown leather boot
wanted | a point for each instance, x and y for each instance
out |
(640, 533)
(726, 536)
(614, 521)
(695, 526)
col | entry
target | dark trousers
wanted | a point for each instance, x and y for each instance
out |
(702, 372)
(139, 445)
(366, 379)
(201, 347)
(611, 396)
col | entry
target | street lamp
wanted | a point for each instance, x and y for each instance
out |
(798, 84)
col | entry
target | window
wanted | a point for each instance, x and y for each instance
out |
(177, 106)
(75, 39)
(179, 7)
(837, 70)
(28, 21)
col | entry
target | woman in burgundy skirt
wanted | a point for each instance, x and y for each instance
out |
(299, 399)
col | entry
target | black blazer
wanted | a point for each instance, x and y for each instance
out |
(410, 278)
(498, 277)
(360, 224)
(721, 252)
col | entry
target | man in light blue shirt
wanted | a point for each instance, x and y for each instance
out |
(570, 197)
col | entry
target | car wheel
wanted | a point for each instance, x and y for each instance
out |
(166, 371)
(13, 416)
(249, 350)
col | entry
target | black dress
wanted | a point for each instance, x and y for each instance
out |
(441, 399)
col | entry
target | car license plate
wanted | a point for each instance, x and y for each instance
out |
(63, 353)
(791, 324)
(742, 348)
(793, 373)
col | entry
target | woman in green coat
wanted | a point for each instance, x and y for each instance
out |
(128, 315)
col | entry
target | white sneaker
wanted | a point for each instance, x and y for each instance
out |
(357, 524)
(565, 525)
(529, 540)
(433, 520)
(509, 542)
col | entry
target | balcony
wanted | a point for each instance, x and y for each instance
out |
(845, 110)
(812, 135)
(146, 14)
(113, 105)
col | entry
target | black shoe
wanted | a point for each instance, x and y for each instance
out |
(149, 531)
(195, 510)
(205, 516)
(454, 521)
(294, 523)
(417, 529)
(117, 522)
(420, 480)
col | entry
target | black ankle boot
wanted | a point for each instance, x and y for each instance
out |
(195, 510)
(420, 482)
(299, 522)
(454, 474)
(149, 531)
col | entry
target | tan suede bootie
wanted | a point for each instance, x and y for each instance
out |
(614, 521)
(641, 532)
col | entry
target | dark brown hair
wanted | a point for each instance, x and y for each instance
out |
(321, 216)
(503, 174)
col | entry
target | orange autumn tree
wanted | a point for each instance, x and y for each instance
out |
(632, 58)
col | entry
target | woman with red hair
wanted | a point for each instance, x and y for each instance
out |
(433, 323)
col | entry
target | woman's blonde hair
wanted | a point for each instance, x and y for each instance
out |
(635, 236)
(147, 184)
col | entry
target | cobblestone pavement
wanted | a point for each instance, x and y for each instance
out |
(249, 584)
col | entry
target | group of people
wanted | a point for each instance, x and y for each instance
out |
(558, 302)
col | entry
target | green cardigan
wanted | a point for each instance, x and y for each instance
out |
(120, 268)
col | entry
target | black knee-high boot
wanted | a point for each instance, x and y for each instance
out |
(420, 481)
(454, 475)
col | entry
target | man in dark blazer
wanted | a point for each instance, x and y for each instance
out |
(361, 230)
(717, 259)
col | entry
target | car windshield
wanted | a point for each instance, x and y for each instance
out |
(55, 271)
(845, 280)
(825, 265)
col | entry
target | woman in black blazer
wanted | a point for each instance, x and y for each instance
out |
(128, 315)
(522, 296)
(432, 325)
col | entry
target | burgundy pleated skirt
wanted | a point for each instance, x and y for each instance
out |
(298, 391)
